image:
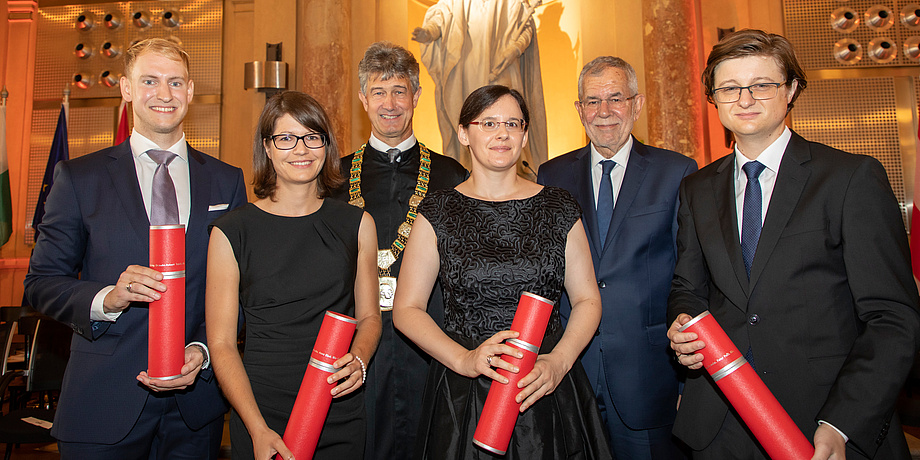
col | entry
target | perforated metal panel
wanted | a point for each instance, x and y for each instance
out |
(808, 27)
(857, 116)
(56, 63)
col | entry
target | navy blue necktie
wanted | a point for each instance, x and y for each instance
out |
(751, 219)
(605, 200)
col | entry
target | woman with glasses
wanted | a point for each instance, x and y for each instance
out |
(491, 238)
(284, 260)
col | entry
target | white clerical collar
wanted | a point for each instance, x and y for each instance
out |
(140, 145)
(381, 146)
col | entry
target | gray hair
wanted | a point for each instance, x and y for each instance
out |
(602, 63)
(388, 60)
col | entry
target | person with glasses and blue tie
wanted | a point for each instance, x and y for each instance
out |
(799, 251)
(628, 192)
(282, 262)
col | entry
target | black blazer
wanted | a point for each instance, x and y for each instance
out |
(830, 311)
(95, 225)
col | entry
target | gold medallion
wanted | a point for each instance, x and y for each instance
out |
(415, 200)
(359, 202)
(387, 292)
(385, 258)
(404, 229)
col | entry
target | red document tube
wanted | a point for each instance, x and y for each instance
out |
(500, 412)
(166, 320)
(314, 397)
(747, 393)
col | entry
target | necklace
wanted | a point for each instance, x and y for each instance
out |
(386, 257)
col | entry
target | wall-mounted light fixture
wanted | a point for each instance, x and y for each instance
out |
(170, 18)
(82, 80)
(108, 79)
(912, 48)
(879, 17)
(85, 21)
(110, 50)
(83, 50)
(910, 16)
(112, 20)
(882, 50)
(141, 19)
(848, 51)
(844, 20)
(269, 76)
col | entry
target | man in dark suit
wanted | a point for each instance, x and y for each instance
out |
(798, 250)
(89, 271)
(633, 247)
(389, 177)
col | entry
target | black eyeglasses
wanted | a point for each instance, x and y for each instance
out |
(759, 91)
(289, 141)
(592, 105)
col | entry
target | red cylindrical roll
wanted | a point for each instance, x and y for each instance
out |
(315, 395)
(747, 393)
(166, 319)
(500, 412)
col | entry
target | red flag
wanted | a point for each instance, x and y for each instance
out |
(122, 133)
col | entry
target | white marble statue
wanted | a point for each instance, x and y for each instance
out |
(467, 44)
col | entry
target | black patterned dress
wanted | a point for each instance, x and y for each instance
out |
(490, 252)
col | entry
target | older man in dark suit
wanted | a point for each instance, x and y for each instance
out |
(628, 192)
(799, 251)
(89, 271)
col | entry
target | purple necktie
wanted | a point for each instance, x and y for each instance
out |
(164, 208)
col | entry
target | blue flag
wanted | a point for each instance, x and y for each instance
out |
(59, 152)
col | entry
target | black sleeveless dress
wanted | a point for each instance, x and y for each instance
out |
(293, 270)
(490, 252)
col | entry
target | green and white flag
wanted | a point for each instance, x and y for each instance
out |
(6, 200)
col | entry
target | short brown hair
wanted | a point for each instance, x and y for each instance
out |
(752, 42)
(311, 115)
(388, 60)
(161, 46)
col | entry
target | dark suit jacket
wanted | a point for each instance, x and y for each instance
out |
(830, 311)
(634, 271)
(95, 225)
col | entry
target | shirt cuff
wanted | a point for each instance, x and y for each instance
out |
(204, 350)
(97, 310)
(845, 438)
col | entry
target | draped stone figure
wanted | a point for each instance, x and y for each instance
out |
(467, 44)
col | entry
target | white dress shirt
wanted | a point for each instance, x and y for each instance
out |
(771, 157)
(616, 174)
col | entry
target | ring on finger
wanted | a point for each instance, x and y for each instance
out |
(489, 359)
(128, 287)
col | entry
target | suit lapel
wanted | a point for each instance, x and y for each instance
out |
(124, 179)
(584, 191)
(636, 169)
(200, 188)
(723, 188)
(790, 182)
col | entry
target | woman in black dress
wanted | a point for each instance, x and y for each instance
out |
(488, 240)
(285, 260)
